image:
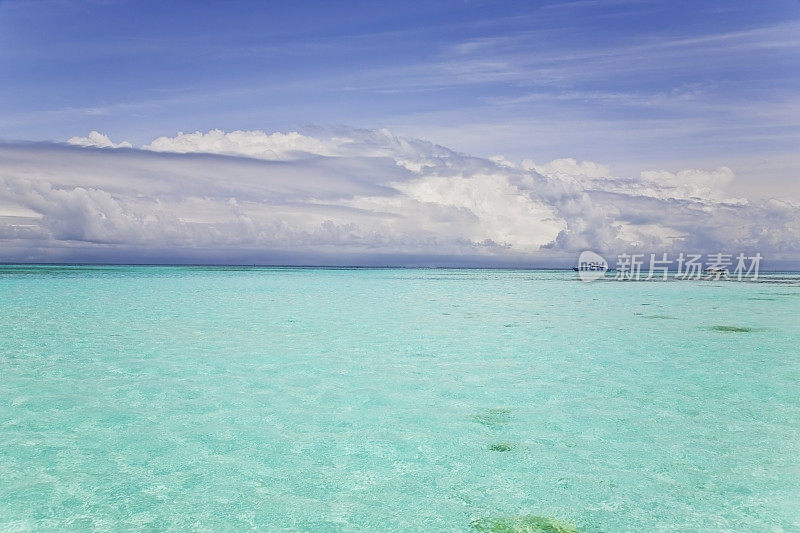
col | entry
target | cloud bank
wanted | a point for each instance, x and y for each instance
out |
(358, 197)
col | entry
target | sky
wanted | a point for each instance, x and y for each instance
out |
(465, 132)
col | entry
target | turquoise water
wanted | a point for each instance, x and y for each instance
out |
(395, 400)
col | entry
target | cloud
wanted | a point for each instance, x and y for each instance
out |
(257, 144)
(98, 140)
(691, 183)
(568, 167)
(351, 196)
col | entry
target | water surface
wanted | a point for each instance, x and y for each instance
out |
(395, 400)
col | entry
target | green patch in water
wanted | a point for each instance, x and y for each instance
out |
(733, 329)
(662, 317)
(522, 524)
(492, 418)
(501, 447)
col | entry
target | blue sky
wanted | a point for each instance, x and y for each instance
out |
(625, 82)
(630, 86)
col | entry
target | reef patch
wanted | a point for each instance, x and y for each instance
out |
(493, 417)
(522, 524)
(733, 329)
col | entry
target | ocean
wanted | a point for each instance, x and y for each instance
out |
(306, 399)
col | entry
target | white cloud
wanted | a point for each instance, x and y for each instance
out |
(98, 140)
(720, 177)
(347, 195)
(276, 146)
(568, 167)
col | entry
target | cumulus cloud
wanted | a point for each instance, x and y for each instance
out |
(98, 140)
(357, 197)
(690, 183)
(568, 167)
(257, 144)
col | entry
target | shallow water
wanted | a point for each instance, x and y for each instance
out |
(395, 400)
